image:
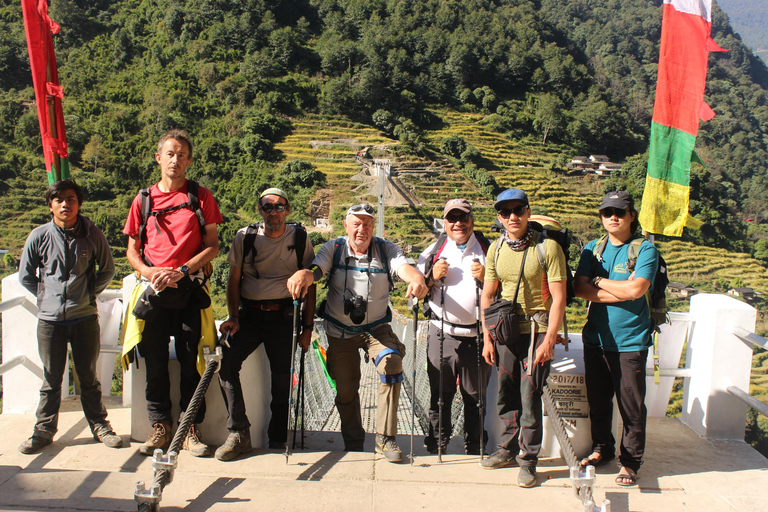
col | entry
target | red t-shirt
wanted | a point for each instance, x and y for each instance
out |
(179, 237)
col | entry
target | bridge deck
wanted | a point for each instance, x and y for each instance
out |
(683, 473)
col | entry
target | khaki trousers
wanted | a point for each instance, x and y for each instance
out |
(344, 368)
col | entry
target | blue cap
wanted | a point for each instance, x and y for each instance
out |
(511, 194)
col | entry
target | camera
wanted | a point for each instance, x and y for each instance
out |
(356, 307)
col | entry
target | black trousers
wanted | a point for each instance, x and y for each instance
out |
(459, 362)
(84, 338)
(184, 326)
(623, 374)
(274, 329)
(519, 401)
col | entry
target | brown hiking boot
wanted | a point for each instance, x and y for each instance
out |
(193, 444)
(159, 437)
(237, 442)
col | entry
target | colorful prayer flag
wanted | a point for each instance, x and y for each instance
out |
(678, 107)
(48, 93)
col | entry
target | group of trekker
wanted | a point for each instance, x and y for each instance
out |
(172, 238)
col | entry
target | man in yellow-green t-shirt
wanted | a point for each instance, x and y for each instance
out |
(541, 304)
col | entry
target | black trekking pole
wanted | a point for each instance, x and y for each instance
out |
(440, 398)
(298, 410)
(413, 303)
(480, 390)
(294, 342)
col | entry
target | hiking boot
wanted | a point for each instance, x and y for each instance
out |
(527, 476)
(501, 459)
(159, 437)
(387, 446)
(104, 434)
(354, 447)
(237, 442)
(34, 444)
(193, 444)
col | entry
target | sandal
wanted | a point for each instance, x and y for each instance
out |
(595, 460)
(626, 480)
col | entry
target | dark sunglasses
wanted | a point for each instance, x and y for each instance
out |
(269, 208)
(361, 207)
(457, 217)
(610, 212)
(517, 210)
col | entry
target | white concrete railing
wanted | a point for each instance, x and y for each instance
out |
(716, 360)
(21, 382)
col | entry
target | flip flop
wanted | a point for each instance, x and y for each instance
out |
(631, 476)
(595, 461)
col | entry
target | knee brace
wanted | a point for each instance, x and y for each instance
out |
(391, 371)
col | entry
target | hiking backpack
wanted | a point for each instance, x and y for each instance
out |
(341, 243)
(435, 255)
(299, 244)
(193, 203)
(656, 299)
(549, 228)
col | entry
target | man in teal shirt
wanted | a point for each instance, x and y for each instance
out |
(617, 334)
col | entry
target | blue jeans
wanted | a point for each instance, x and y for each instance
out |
(84, 338)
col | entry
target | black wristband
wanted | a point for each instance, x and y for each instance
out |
(317, 273)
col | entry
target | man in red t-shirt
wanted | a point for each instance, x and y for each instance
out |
(170, 256)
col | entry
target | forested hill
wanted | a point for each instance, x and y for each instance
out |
(579, 74)
(750, 19)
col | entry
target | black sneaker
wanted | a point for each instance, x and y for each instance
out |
(34, 444)
(387, 446)
(500, 459)
(527, 476)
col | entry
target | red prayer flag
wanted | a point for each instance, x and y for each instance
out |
(48, 93)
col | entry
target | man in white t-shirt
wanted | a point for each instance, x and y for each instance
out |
(455, 261)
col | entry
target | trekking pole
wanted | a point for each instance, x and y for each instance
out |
(440, 398)
(294, 342)
(301, 391)
(413, 303)
(298, 407)
(480, 390)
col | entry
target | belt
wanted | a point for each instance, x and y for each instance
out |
(266, 305)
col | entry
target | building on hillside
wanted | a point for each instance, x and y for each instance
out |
(681, 291)
(745, 293)
(598, 164)
(606, 168)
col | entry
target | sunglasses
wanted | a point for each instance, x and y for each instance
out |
(517, 210)
(457, 217)
(361, 207)
(610, 212)
(269, 208)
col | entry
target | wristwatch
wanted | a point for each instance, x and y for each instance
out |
(597, 280)
(184, 270)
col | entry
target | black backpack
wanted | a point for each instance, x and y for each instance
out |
(657, 298)
(193, 203)
(299, 243)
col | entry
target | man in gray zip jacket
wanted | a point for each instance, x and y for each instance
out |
(59, 266)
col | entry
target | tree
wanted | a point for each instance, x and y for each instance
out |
(549, 117)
